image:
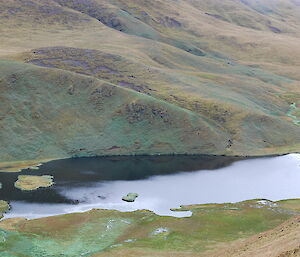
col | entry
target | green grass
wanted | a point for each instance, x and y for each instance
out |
(3, 208)
(94, 118)
(99, 230)
(86, 240)
(294, 113)
(65, 114)
(211, 225)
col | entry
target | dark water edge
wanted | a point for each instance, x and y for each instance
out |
(75, 172)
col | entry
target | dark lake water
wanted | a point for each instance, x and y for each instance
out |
(162, 182)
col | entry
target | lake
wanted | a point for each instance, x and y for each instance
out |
(162, 182)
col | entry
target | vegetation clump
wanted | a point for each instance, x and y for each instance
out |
(293, 112)
(28, 182)
(4, 206)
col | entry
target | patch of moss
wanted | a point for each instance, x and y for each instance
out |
(4, 206)
(29, 182)
(85, 240)
(294, 114)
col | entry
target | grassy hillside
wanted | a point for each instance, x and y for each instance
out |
(216, 77)
(213, 230)
(49, 113)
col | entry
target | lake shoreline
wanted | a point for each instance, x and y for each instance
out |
(18, 166)
(81, 184)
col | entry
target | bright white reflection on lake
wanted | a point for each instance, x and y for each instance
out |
(273, 178)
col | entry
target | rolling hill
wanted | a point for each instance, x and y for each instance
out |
(91, 77)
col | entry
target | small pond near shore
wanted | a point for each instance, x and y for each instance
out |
(162, 183)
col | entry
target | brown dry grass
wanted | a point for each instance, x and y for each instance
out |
(283, 241)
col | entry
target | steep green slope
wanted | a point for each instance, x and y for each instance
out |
(245, 102)
(54, 114)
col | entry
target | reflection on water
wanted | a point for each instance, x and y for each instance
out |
(162, 183)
